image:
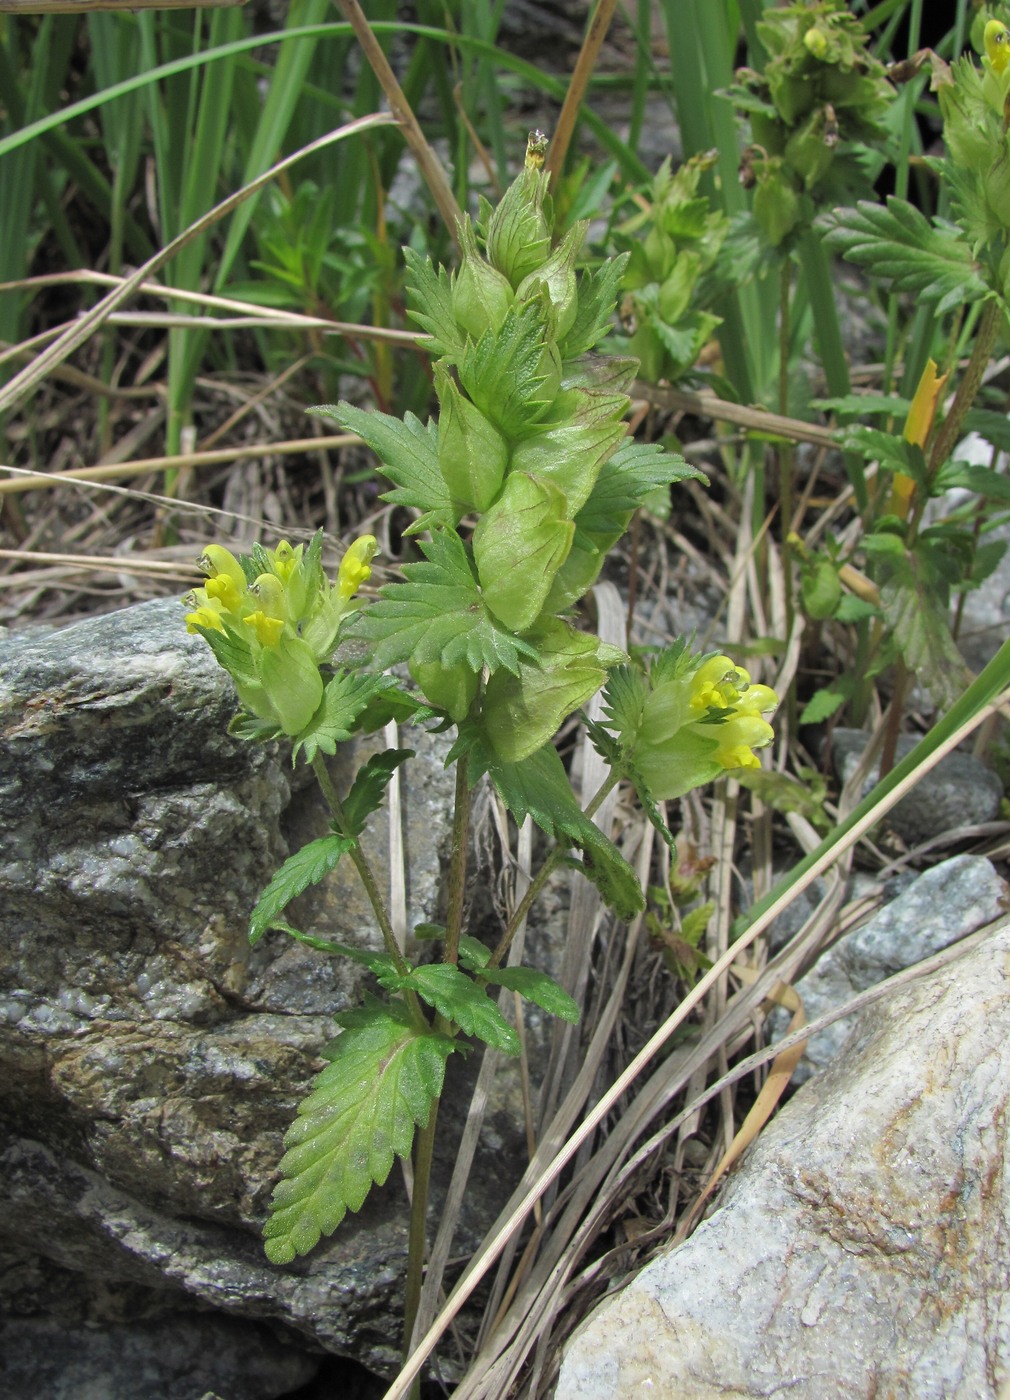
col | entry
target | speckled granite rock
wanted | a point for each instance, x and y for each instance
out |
(959, 791)
(149, 1059)
(863, 1247)
(941, 906)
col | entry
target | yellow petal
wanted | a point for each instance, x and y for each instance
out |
(923, 411)
(268, 629)
(355, 567)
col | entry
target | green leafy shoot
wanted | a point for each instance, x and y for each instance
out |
(456, 997)
(369, 788)
(306, 867)
(536, 987)
(384, 1074)
(899, 244)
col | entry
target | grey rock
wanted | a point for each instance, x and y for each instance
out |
(985, 617)
(959, 791)
(863, 1248)
(149, 1058)
(944, 904)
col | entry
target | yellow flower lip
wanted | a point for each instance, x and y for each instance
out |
(204, 617)
(268, 629)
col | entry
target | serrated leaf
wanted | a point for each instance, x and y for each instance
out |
(825, 702)
(458, 998)
(990, 485)
(598, 289)
(473, 955)
(899, 243)
(384, 1074)
(783, 793)
(917, 619)
(252, 729)
(627, 478)
(504, 372)
(891, 451)
(437, 615)
(994, 427)
(408, 451)
(429, 303)
(538, 787)
(853, 609)
(369, 787)
(345, 698)
(306, 867)
(536, 987)
(695, 922)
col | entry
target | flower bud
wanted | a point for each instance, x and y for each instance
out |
(472, 454)
(481, 295)
(558, 276)
(518, 235)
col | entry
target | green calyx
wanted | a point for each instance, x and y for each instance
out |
(820, 100)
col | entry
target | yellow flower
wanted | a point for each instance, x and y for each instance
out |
(204, 617)
(997, 45)
(918, 426)
(268, 629)
(698, 721)
(355, 567)
(224, 588)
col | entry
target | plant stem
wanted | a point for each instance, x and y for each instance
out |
(541, 877)
(581, 74)
(971, 380)
(429, 163)
(457, 870)
(785, 449)
(362, 866)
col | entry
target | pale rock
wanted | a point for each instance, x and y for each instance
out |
(863, 1248)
